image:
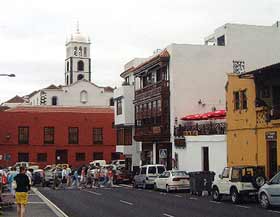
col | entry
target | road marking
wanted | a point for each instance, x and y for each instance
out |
(217, 202)
(29, 194)
(93, 192)
(165, 214)
(126, 202)
(36, 202)
(274, 211)
(246, 207)
(123, 185)
(50, 204)
(193, 198)
(176, 195)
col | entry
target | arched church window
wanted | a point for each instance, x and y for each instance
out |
(80, 65)
(85, 51)
(54, 100)
(83, 96)
(80, 51)
(80, 77)
(67, 68)
(75, 51)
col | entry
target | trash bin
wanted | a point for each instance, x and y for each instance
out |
(201, 181)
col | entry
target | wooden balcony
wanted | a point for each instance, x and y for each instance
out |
(151, 90)
(152, 133)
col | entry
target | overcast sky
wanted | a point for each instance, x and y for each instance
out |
(33, 33)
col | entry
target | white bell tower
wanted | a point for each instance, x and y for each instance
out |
(77, 62)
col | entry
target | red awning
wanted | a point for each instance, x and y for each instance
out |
(219, 114)
(191, 117)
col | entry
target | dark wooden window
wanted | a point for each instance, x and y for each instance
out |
(124, 136)
(236, 100)
(54, 100)
(221, 41)
(49, 135)
(111, 102)
(80, 65)
(119, 106)
(205, 158)
(97, 155)
(97, 135)
(42, 157)
(244, 104)
(23, 157)
(73, 135)
(23, 135)
(80, 156)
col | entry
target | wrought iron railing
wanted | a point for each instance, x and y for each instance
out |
(211, 128)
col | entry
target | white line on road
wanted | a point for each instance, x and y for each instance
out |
(165, 214)
(217, 202)
(50, 204)
(126, 202)
(193, 198)
(93, 192)
(36, 202)
(176, 195)
(274, 211)
(128, 186)
(246, 207)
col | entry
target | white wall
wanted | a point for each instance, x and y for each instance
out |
(190, 158)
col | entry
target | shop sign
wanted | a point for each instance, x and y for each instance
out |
(180, 142)
(162, 153)
(156, 130)
(271, 136)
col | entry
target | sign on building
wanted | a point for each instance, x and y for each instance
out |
(238, 66)
(271, 136)
(162, 153)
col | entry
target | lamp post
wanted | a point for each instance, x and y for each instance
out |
(9, 75)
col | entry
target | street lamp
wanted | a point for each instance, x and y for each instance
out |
(9, 75)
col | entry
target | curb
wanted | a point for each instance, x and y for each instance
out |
(50, 204)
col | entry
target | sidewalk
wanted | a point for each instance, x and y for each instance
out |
(36, 207)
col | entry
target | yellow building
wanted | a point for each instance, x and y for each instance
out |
(253, 118)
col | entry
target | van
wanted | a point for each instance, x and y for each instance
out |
(97, 163)
(147, 175)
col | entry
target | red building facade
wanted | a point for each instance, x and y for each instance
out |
(50, 135)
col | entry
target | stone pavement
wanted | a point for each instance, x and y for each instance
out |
(36, 208)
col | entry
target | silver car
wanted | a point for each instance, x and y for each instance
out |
(269, 194)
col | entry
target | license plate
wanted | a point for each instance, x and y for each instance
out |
(253, 193)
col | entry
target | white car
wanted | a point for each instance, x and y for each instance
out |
(173, 180)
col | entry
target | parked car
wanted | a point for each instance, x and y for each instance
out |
(122, 176)
(238, 182)
(147, 175)
(119, 163)
(172, 180)
(38, 177)
(97, 163)
(269, 194)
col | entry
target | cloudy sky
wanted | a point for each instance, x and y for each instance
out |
(33, 33)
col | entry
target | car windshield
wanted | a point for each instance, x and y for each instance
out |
(179, 173)
(160, 169)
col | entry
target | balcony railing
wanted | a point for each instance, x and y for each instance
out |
(152, 131)
(151, 90)
(210, 128)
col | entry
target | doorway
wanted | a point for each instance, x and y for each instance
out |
(272, 158)
(61, 157)
(205, 158)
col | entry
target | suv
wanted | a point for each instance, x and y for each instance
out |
(147, 175)
(238, 182)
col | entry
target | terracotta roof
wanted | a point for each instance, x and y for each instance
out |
(3, 108)
(16, 99)
(52, 86)
(163, 54)
(61, 109)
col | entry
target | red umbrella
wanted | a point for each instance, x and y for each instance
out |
(191, 117)
(219, 113)
(207, 115)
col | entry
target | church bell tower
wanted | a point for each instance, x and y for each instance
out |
(77, 62)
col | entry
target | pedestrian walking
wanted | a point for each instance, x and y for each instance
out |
(63, 177)
(110, 177)
(83, 177)
(68, 176)
(11, 176)
(75, 179)
(89, 178)
(22, 188)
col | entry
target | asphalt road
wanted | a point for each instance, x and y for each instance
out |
(124, 201)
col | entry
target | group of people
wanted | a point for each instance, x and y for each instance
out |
(85, 178)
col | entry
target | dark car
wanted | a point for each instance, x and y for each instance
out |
(122, 176)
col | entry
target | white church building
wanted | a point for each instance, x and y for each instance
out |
(78, 89)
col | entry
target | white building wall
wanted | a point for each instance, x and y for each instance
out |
(198, 72)
(191, 157)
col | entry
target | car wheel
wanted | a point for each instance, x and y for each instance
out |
(264, 202)
(216, 194)
(144, 186)
(235, 197)
(167, 189)
(258, 181)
